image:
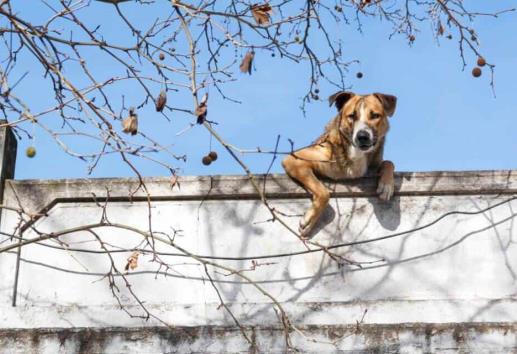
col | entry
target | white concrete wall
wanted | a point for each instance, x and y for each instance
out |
(460, 271)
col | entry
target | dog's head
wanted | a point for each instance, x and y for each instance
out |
(363, 119)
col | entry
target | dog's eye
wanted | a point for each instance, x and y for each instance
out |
(351, 116)
(375, 115)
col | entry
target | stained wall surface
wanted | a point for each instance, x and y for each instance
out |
(434, 270)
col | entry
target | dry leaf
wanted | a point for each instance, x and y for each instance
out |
(113, 1)
(440, 30)
(364, 3)
(161, 101)
(261, 13)
(201, 113)
(130, 124)
(201, 109)
(247, 62)
(132, 261)
(174, 181)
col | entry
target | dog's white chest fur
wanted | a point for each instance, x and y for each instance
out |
(356, 166)
(358, 163)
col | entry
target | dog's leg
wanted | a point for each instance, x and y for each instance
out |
(300, 166)
(386, 184)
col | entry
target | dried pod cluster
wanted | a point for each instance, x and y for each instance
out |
(208, 159)
(476, 72)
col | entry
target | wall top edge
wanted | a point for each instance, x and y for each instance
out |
(37, 195)
(237, 178)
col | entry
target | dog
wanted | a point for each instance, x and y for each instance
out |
(352, 143)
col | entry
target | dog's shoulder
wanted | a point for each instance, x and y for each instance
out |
(330, 133)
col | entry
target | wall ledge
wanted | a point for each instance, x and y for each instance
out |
(38, 195)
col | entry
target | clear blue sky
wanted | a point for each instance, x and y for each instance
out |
(445, 120)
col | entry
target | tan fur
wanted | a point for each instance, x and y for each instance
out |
(334, 156)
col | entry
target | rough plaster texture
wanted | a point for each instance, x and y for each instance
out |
(449, 287)
(400, 338)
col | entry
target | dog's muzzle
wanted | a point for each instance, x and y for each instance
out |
(364, 139)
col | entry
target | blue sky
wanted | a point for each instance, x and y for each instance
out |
(445, 120)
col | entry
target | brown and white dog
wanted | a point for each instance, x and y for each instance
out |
(352, 143)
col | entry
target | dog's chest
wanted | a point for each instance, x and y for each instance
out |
(354, 167)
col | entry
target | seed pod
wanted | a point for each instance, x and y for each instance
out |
(30, 152)
(161, 56)
(161, 101)
(481, 61)
(212, 155)
(130, 124)
(206, 160)
(476, 72)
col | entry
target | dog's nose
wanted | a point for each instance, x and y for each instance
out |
(363, 138)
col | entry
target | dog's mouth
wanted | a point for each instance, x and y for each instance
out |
(365, 146)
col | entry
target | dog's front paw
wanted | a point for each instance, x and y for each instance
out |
(385, 189)
(307, 222)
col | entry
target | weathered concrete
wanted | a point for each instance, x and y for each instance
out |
(37, 195)
(449, 285)
(365, 339)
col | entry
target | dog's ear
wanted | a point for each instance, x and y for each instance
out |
(340, 98)
(389, 102)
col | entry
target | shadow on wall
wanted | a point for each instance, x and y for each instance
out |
(388, 214)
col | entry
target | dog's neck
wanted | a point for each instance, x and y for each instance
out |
(354, 153)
